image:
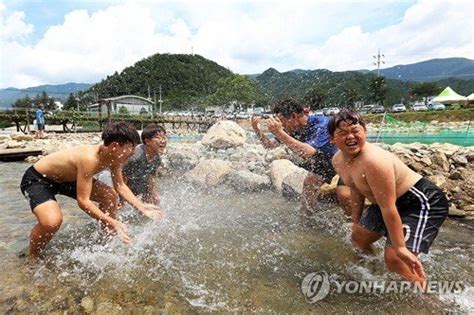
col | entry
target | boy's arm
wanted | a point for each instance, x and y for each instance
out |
(380, 177)
(153, 190)
(267, 143)
(357, 205)
(84, 189)
(302, 149)
(151, 211)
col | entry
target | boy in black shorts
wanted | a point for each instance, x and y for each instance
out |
(406, 208)
(70, 172)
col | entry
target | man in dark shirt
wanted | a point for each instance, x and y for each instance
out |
(139, 171)
(307, 136)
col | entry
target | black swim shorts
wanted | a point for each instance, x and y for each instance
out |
(320, 164)
(423, 208)
(38, 189)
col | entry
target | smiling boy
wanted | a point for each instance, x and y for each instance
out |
(406, 208)
(140, 170)
(70, 172)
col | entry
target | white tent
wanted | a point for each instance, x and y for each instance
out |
(470, 97)
(449, 96)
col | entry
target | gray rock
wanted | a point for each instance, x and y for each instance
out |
(456, 175)
(279, 169)
(292, 185)
(18, 136)
(440, 159)
(209, 173)
(224, 134)
(459, 160)
(13, 144)
(247, 181)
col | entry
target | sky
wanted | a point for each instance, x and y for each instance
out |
(60, 41)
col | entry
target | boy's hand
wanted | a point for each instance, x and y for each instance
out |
(121, 230)
(274, 125)
(255, 120)
(151, 211)
(411, 260)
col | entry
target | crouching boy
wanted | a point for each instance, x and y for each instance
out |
(406, 208)
(70, 172)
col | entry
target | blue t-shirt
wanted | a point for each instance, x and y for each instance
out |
(39, 117)
(316, 134)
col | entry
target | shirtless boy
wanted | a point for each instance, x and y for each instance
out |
(70, 172)
(406, 208)
(139, 171)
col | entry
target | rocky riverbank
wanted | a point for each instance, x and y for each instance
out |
(226, 156)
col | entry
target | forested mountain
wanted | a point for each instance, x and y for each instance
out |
(331, 88)
(60, 92)
(184, 79)
(432, 70)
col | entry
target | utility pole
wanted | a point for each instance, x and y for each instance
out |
(160, 101)
(378, 60)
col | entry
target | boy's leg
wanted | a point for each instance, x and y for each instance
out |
(106, 197)
(49, 221)
(363, 238)
(311, 185)
(343, 194)
(395, 264)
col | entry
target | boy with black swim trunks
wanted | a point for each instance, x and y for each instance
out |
(70, 172)
(406, 208)
(139, 171)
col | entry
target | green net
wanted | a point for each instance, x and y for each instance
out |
(394, 130)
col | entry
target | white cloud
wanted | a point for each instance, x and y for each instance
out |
(14, 28)
(246, 37)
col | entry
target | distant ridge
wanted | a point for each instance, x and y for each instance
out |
(60, 91)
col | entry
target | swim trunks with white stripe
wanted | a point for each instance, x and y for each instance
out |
(423, 208)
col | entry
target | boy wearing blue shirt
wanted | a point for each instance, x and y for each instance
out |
(40, 122)
(307, 136)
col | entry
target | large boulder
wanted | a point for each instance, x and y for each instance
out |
(292, 185)
(224, 134)
(440, 159)
(279, 169)
(209, 173)
(244, 180)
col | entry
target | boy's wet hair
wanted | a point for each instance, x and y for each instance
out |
(350, 116)
(120, 132)
(152, 130)
(288, 106)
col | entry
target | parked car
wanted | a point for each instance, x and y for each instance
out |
(331, 111)
(366, 109)
(377, 109)
(399, 108)
(438, 106)
(419, 107)
(318, 112)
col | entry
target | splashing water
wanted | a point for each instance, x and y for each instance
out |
(216, 250)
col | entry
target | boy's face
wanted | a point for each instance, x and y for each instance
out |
(157, 142)
(349, 138)
(290, 123)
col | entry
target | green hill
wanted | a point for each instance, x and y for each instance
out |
(184, 79)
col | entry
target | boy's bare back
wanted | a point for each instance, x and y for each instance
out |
(64, 165)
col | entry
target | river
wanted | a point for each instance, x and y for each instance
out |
(216, 250)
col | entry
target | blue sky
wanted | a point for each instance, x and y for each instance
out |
(58, 41)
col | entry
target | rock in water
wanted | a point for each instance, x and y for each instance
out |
(279, 169)
(209, 173)
(224, 134)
